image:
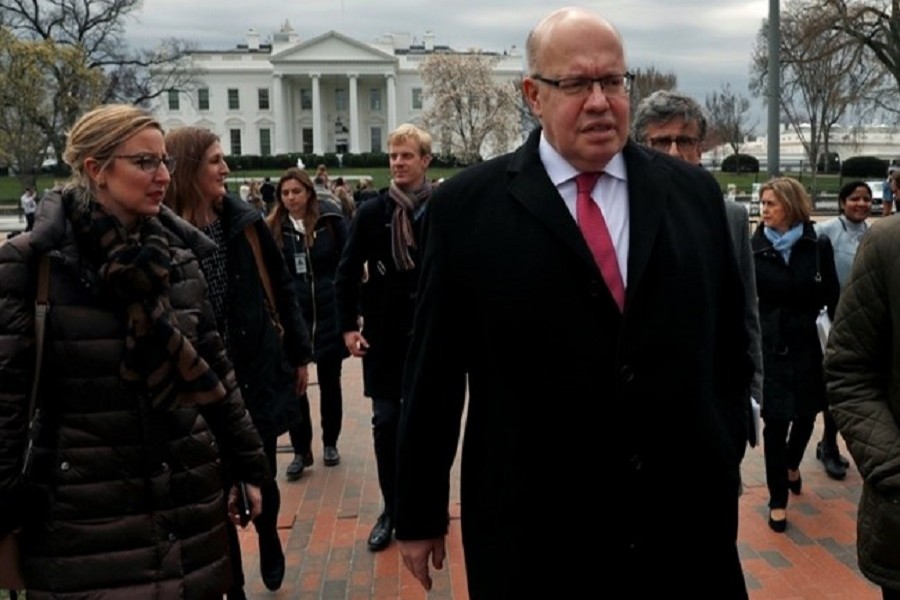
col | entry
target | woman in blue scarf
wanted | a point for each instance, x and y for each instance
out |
(795, 278)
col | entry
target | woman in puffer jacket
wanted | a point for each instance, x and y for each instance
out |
(139, 407)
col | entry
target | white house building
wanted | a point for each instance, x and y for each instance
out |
(330, 93)
(882, 141)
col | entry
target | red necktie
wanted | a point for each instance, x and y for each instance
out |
(593, 227)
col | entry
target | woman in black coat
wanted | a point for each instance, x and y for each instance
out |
(795, 278)
(271, 371)
(311, 234)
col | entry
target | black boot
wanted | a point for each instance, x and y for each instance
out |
(831, 458)
(271, 560)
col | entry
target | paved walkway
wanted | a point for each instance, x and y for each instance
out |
(326, 517)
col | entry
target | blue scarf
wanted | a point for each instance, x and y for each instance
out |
(783, 242)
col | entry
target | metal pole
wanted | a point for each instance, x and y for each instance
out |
(774, 88)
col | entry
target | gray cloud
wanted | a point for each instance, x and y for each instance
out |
(706, 43)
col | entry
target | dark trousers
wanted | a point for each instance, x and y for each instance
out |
(266, 523)
(29, 221)
(385, 422)
(784, 444)
(829, 431)
(331, 409)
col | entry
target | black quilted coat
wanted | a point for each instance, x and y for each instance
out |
(125, 501)
(863, 384)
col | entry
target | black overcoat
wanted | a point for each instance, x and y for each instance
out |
(314, 277)
(623, 431)
(790, 297)
(385, 300)
(264, 365)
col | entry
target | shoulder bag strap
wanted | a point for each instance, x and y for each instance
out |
(253, 238)
(41, 308)
(818, 277)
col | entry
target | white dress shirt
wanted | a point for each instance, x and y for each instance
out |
(610, 193)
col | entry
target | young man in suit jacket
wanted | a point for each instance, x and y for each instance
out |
(615, 418)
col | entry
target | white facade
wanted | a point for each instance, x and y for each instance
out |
(882, 141)
(330, 93)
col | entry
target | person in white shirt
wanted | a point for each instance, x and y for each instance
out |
(29, 207)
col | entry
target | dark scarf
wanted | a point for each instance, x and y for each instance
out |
(402, 238)
(134, 269)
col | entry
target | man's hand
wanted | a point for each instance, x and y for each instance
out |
(356, 343)
(302, 379)
(415, 556)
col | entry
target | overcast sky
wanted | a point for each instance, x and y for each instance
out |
(706, 43)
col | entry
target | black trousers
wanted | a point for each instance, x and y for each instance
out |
(385, 422)
(266, 523)
(331, 409)
(784, 443)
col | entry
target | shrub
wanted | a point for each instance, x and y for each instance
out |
(740, 163)
(864, 167)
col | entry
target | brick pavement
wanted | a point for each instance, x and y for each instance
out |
(326, 517)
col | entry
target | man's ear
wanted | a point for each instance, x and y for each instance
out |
(530, 92)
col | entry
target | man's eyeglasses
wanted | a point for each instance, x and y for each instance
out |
(149, 163)
(610, 85)
(664, 142)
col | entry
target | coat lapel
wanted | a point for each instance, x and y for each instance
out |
(532, 188)
(647, 198)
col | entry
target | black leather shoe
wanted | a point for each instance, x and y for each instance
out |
(295, 469)
(271, 561)
(835, 464)
(778, 526)
(331, 456)
(796, 485)
(380, 538)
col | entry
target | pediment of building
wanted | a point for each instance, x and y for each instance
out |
(331, 47)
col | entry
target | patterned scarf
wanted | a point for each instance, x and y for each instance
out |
(134, 268)
(402, 238)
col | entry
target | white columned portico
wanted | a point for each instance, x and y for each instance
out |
(354, 113)
(280, 132)
(318, 138)
(391, 103)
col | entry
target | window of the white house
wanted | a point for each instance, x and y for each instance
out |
(263, 98)
(417, 98)
(203, 98)
(375, 100)
(265, 142)
(305, 99)
(174, 102)
(340, 99)
(375, 139)
(235, 142)
(234, 99)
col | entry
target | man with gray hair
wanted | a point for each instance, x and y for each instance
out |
(676, 124)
